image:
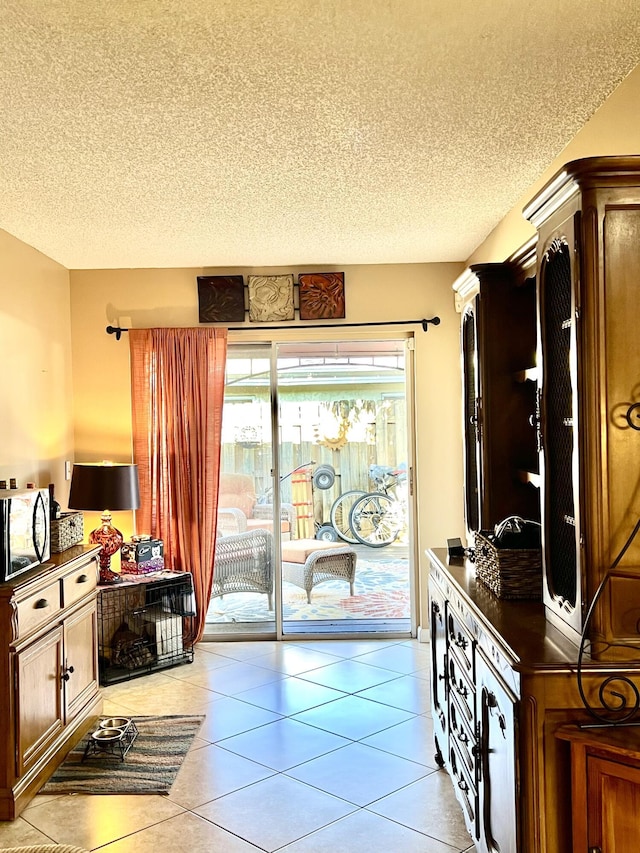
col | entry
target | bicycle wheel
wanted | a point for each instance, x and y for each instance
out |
(375, 520)
(340, 514)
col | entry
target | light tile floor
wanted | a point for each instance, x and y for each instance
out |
(307, 747)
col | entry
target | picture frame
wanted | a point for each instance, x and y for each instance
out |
(270, 298)
(321, 296)
(221, 299)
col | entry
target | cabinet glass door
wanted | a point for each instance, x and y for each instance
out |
(471, 425)
(559, 426)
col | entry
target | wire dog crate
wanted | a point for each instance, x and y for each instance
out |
(145, 624)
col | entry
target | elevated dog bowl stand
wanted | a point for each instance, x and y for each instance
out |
(116, 742)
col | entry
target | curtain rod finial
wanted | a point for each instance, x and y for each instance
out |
(435, 321)
(114, 330)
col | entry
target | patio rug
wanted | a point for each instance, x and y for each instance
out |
(381, 592)
(150, 766)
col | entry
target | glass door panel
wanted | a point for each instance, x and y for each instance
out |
(344, 453)
(243, 596)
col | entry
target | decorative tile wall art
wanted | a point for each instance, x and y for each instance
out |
(221, 298)
(321, 295)
(270, 298)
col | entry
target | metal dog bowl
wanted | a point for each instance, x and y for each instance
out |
(114, 723)
(107, 734)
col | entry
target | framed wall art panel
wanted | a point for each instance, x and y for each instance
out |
(321, 295)
(270, 298)
(221, 299)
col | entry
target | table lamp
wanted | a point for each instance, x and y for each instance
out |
(105, 487)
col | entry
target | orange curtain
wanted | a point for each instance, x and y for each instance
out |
(177, 386)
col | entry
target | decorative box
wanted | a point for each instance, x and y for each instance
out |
(66, 531)
(142, 555)
(508, 572)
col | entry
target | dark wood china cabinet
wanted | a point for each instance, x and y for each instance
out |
(588, 223)
(510, 686)
(497, 303)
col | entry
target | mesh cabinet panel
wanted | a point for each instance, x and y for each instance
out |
(470, 401)
(559, 435)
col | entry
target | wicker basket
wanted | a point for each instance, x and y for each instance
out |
(66, 531)
(508, 572)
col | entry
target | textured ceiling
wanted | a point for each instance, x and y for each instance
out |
(158, 133)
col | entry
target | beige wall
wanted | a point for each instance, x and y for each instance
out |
(36, 426)
(613, 129)
(143, 298)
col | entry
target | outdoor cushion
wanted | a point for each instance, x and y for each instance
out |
(297, 550)
(237, 490)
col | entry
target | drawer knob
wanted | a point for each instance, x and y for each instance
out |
(66, 675)
(41, 604)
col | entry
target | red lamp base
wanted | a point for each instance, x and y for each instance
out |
(111, 541)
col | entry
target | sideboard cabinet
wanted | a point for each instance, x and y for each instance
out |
(49, 692)
(503, 684)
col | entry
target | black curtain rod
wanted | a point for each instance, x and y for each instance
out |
(434, 321)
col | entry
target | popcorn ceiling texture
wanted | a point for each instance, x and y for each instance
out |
(164, 133)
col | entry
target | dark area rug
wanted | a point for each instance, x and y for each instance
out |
(150, 766)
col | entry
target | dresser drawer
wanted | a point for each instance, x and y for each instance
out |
(462, 733)
(461, 643)
(465, 789)
(77, 584)
(38, 609)
(462, 690)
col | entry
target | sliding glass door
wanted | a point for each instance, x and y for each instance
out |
(341, 548)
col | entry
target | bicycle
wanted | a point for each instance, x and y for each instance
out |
(373, 518)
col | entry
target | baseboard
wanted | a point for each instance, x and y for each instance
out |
(424, 635)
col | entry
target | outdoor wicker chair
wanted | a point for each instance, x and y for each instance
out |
(309, 562)
(240, 510)
(243, 562)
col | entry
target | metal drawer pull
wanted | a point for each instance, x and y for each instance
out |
(461, 641)
(463, 785)
(492, 705)
(461, 690)
(82, 579)
(41, 604)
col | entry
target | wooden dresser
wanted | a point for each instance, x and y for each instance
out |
(504, 680)
(49, 694)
